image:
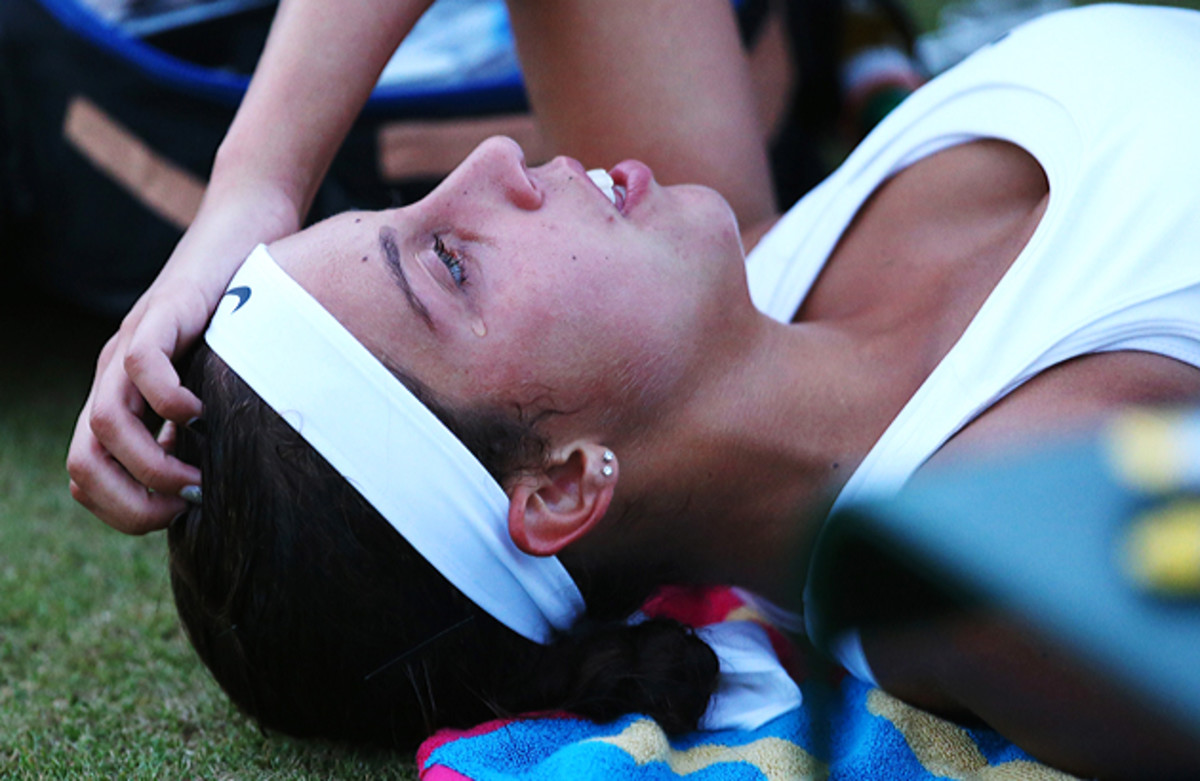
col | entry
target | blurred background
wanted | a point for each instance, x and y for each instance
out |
(110, 112)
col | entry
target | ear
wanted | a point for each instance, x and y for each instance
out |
(550, 509)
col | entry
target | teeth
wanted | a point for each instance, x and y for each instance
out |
(602, 180)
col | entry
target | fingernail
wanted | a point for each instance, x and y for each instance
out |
(190, 494)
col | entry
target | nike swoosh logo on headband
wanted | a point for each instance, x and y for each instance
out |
(242, 293)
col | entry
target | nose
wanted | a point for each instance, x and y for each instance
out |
(496, 165)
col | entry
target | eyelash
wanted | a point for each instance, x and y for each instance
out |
(452, 261)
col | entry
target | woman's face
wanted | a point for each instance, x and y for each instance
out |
(529, 286)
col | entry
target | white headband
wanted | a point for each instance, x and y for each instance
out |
(307, 367)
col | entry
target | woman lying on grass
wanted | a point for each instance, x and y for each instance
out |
(564, 390)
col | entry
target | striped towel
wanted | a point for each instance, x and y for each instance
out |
(840, 728)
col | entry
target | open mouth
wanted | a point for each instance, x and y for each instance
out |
(613, 191)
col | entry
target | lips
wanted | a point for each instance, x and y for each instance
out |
(635, 178)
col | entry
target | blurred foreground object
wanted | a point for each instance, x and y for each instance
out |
(1161, 454)
(1093, 539)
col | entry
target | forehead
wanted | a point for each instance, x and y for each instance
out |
(339, 261)
(327, 243)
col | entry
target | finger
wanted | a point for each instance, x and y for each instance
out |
(149, 368)
(102, 486)
(106, 355)
(115, 421)
(131, 510)
(82, 442)
(167, 436)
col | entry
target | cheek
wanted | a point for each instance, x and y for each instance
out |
(596, 315)
(554, 351)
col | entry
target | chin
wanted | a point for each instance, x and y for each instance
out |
(714, 216)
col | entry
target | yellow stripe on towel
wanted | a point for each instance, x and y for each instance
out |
(947, 750)
(775, 758)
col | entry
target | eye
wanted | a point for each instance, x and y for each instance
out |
(451, 260)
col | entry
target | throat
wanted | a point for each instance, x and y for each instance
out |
(761, 474)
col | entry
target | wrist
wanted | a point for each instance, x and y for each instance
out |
(247, 202)
(252, 177)
(237, 214)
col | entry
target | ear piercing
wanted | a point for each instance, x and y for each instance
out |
(608, 458)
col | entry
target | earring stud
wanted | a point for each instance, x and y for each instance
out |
(608, 456)
(607, 471)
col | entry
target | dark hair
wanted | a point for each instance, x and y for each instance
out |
(319, 620)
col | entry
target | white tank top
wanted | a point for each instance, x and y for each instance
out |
(1105, 98)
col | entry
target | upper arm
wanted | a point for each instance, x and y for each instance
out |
(1076, 393)
(658, 80)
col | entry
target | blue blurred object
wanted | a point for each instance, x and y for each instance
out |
(492, 83)
(1094, 539)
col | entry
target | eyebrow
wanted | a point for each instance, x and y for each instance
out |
(391, 254)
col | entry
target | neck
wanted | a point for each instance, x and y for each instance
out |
(737, 480)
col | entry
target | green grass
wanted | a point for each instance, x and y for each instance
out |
(96, 677)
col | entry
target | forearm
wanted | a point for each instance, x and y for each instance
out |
(318, 68)
(659, 80)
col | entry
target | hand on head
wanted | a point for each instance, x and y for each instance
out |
(120, 470)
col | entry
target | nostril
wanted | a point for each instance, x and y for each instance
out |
(524, 191)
